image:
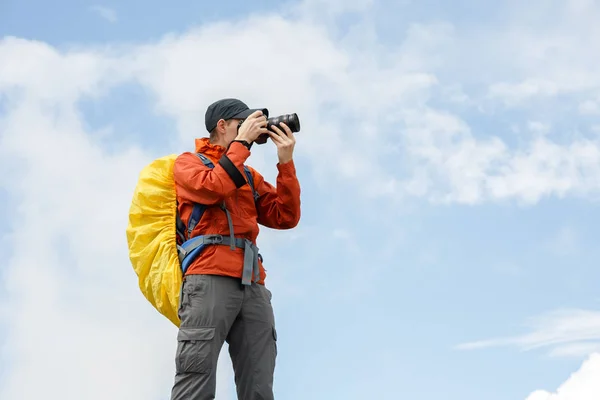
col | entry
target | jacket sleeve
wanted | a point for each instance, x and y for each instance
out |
(197, 183)
(279, 207)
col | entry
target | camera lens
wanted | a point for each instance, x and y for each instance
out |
(291, 120)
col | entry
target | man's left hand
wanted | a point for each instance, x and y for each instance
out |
(285, 142)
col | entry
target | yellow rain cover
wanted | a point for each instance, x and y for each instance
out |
(151, 236)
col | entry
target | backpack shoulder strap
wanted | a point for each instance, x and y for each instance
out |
(180, 226)
(198, 209)
(205, 160)
(251, 182)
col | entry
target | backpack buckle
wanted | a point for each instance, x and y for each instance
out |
(215, 239)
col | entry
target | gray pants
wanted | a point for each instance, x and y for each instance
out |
(214, 309)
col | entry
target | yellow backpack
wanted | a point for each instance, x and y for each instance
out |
(154, 225)
(151, 236)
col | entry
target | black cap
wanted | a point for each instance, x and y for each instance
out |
(227, 109)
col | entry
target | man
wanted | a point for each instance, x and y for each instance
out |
(219, 301)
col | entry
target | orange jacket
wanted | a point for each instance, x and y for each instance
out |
(277, 208)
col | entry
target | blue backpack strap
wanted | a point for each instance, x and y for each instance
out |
(251, 182)
(205, 160)
(180, 226)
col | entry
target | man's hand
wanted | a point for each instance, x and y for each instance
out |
(285, 142)
(252, 127)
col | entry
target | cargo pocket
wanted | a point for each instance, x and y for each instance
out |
(192, 293)
(195, 350)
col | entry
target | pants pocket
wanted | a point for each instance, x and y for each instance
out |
(195, 350)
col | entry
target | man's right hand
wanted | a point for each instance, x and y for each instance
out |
(254, 126)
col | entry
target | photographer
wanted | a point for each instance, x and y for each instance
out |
(223, 296)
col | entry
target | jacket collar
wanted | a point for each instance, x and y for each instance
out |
(212, 151)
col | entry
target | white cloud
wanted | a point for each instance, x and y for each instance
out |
(106, 13)
(581, 385)
(451, 165)
(568, 332)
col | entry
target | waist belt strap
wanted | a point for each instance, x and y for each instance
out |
(250, 270)
(191, 248)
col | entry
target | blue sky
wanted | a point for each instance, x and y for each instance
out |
(449, 160)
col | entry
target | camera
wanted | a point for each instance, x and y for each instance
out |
(291, 120)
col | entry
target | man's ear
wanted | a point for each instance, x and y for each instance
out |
(221, 126)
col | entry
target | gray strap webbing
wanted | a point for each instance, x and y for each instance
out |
(250, 270)
(230, 223)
